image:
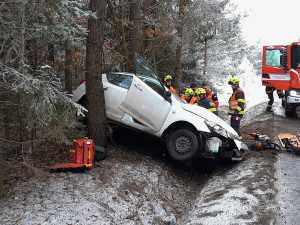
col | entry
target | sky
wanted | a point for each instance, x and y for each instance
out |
(270, 21)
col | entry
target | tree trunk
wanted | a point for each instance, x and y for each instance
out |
(51, 53)
(94, 88)
(119, 15)
(177, 70)
(205, 56)
(134, 33)
(1, 175)
(68, 71)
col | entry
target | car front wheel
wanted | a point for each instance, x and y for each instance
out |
(182, 145)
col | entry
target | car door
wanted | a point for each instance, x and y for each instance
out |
(145, 100)
(273, 73)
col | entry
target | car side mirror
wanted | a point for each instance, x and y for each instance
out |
(167, 96)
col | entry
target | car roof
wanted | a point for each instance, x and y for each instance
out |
(124, 73)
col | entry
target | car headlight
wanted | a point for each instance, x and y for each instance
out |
(220, 130)
(294, 93)
(216, 128)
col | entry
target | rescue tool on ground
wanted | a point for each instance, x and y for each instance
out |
(290, 142)
(266, 142)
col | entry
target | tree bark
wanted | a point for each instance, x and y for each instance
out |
(177, 70)
(68, 71)
(94, 63)
(134, 32)
(1, 175)
(205, 56)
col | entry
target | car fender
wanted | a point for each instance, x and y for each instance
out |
(179, 114)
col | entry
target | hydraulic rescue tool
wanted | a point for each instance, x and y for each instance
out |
(290, 145)
(265, 142)
(290, 142)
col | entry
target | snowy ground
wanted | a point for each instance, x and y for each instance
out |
(130, 191)
(131, 187)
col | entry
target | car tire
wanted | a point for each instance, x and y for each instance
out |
(182, 145)
(288, 113)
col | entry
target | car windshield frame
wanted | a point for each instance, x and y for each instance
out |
(148, 75)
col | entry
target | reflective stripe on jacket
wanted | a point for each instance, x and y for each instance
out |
(208, 104)
(237, 103)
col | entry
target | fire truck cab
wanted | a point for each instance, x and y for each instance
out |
(280, 69)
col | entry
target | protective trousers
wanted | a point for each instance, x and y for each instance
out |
(235, 123)
(269, 91)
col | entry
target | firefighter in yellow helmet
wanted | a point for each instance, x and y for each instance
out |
(204, 102)
(189, 96)
(237, 105)
(168, 82)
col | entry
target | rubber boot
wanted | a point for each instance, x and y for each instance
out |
(269, 108)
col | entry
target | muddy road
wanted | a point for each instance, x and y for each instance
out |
(287, 165)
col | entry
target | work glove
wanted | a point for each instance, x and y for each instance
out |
(234, 113)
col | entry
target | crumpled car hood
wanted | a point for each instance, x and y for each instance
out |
(206, 114)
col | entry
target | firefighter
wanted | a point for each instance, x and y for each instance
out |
(237, 105)
(182, 95)
(211, 95)
(269, 92)
(189, 96)
(168, 82)
(204, 102)
(194, 86)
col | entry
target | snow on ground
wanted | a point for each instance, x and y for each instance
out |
(117, 192)
(234, 198)
(142, 194)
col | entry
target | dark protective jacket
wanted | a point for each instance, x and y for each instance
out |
(213, 96)
(208, 104)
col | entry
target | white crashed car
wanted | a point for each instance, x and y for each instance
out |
(140, 101)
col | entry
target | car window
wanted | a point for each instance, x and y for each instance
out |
(178, 98)
(145, 72)
(121, 80)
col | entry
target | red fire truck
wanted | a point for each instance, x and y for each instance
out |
(280, 69)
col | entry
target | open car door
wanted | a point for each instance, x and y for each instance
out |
(145, 99)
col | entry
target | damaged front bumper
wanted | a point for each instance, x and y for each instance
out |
(224, 143)
(224, 148)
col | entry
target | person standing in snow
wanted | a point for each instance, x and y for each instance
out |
(269, 92)
(211, 95)
(237, 105)
(168, 82)
(204, 102)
